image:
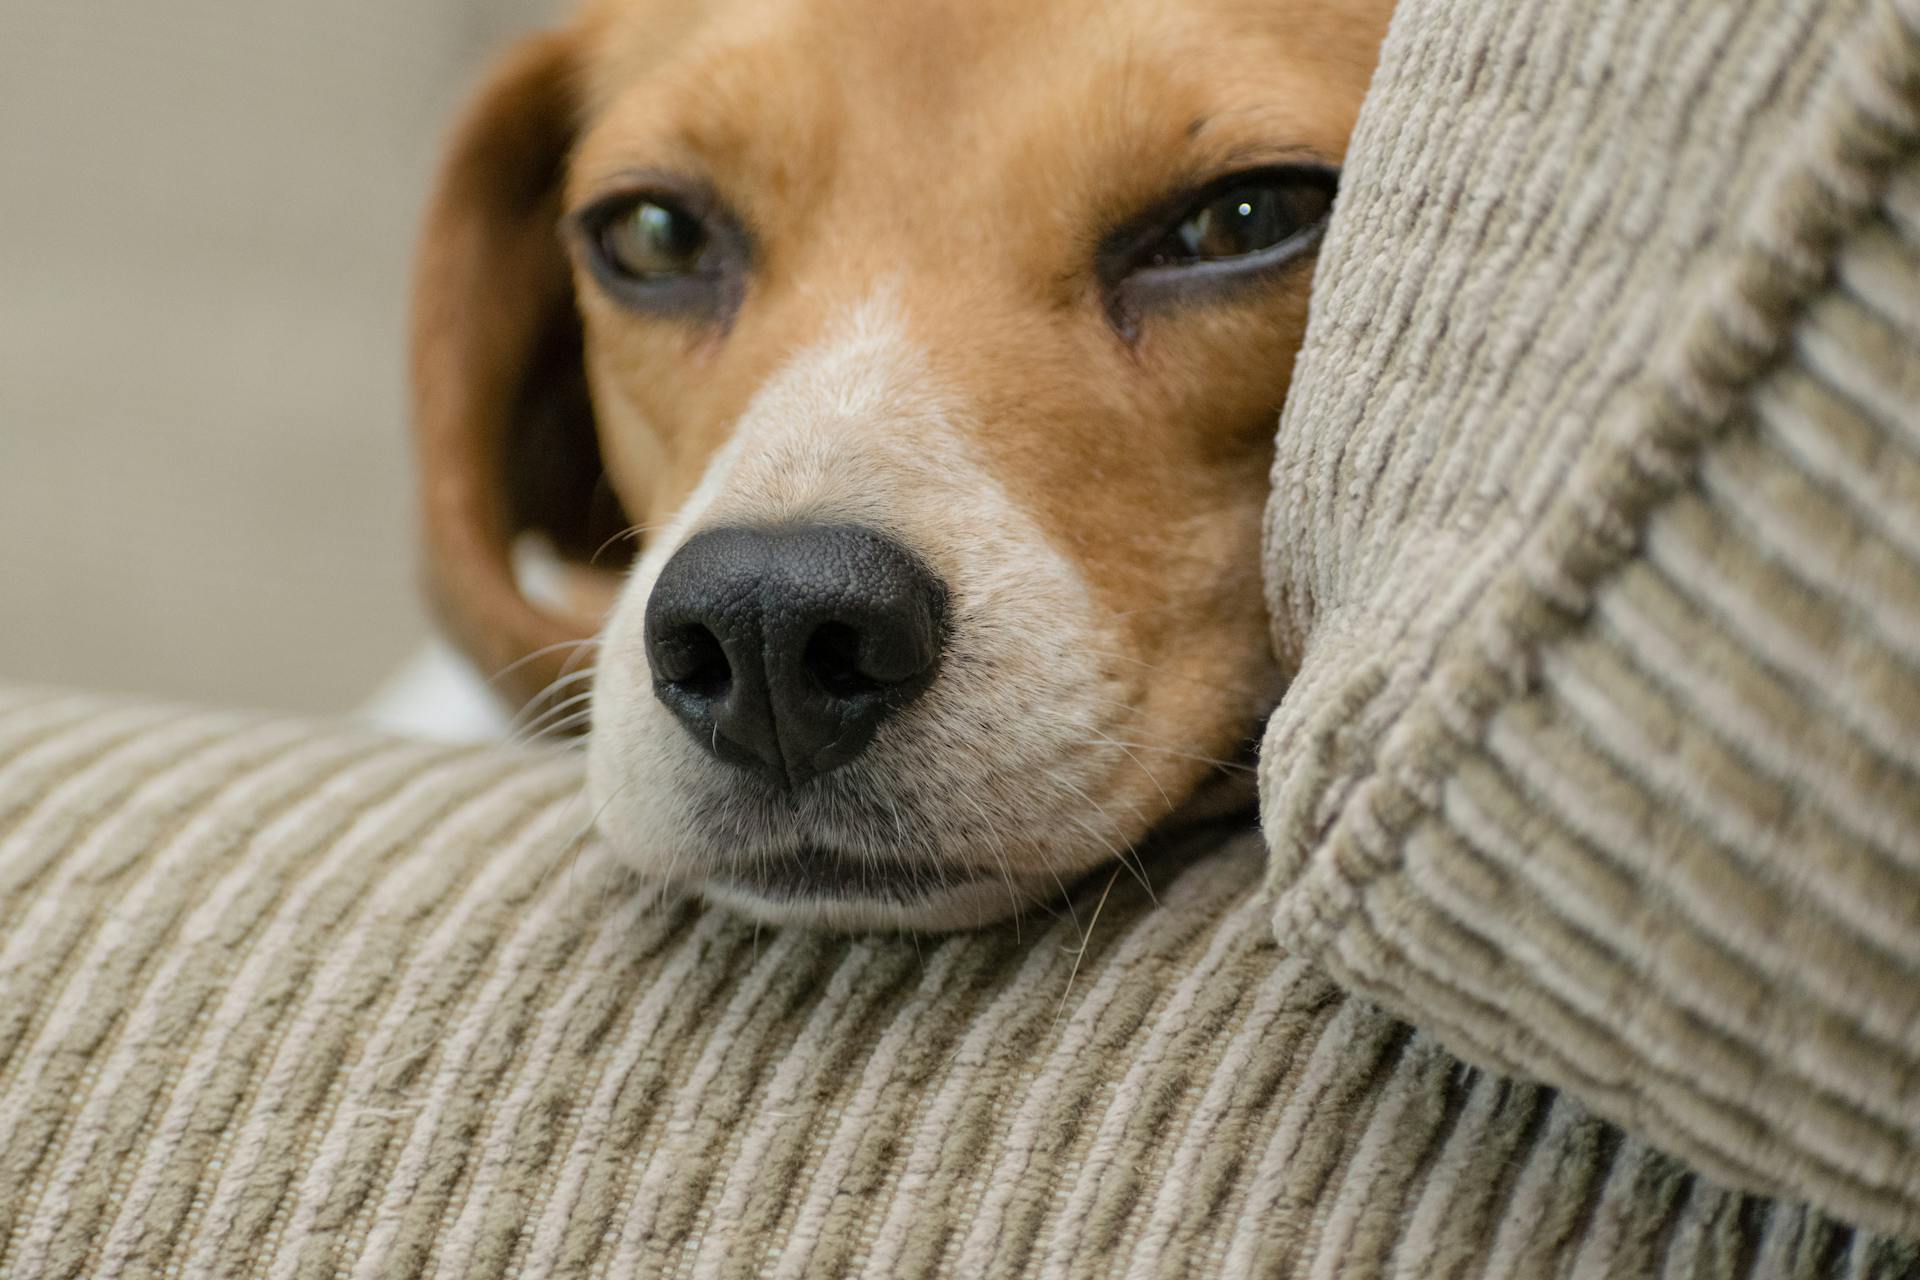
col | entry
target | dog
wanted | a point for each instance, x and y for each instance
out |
(933, 351)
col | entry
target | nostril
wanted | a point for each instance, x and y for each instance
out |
(833, 657)
(692, 658)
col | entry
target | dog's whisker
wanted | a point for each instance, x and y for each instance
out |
(1132, 735)
(547, 694)
(567, 667)
(1236, 689)
(997, 826)
(999, 852)
(565, 747)
(525, 723)
(1158, 745)
(548, 707)
(535, 720)
(1230, 766)
(1080, 953)
(538, 654)
(553, 732)
(557, 720)
(1137, 867)
(625, 535)
(548, 734)
(1126, 855)
(1141, 765)
(1117, 849)
(571, 846)
(562, 681)
(583, 837)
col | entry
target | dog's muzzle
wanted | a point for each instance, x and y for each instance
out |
(783, 650)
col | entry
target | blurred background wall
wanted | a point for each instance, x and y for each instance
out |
(207, 210)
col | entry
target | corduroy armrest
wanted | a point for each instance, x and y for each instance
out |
(293, 1000)
(1596, 529)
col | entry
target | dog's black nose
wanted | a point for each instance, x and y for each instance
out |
(782, 649)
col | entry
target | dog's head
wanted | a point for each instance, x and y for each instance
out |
(936, 345)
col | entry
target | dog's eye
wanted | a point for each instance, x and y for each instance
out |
(1246, 228)
(670, 248)
(1246, 218)
(1242, 221)
(650, 239)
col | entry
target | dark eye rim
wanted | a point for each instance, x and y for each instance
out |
(1130, 282)
(713, 293)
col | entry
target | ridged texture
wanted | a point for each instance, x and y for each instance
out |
(289, 1001)
(1596, 533)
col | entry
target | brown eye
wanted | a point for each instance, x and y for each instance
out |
(1245, 220)
(1207, 244)
(669, 248)
(651, 239)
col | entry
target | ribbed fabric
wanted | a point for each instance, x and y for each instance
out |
(1596, 535)
(291, 1001)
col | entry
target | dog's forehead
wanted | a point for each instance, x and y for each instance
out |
(961, 70)
(925, 41)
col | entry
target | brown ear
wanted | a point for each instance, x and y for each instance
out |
(502, 421)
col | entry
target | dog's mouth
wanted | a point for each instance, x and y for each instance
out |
(830, 858)
(815, 873)
(815, 885)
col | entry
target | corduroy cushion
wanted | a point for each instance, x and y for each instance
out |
(279, 999)
(1596, 532)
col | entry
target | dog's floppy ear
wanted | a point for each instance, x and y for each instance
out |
(502, 421)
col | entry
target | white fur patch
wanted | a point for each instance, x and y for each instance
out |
(994, 768)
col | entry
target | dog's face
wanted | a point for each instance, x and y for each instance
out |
(938, 345)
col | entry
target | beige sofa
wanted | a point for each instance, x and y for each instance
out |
(1594, 537)
(285, 999)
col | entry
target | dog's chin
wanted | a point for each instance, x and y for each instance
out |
(819, 888)
(967, 906)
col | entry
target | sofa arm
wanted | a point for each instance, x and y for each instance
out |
(1596, 530)
(290, 999)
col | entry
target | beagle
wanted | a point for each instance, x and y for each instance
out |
(932, 349)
